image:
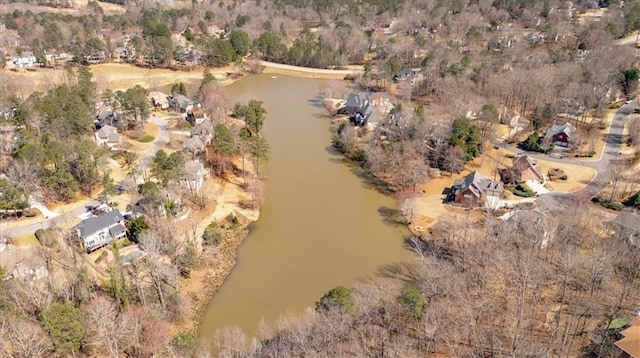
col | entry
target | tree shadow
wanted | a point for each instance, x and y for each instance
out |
(403, 271)
(423, 247)
(392, 217)
(316, 102)
(367, 180)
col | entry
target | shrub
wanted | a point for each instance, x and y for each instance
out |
(147, 138)
(211, 236)
(337, 299)
(557, 174)
(232, 220)
(523, 190)
(103, 256)
(45, 237)
(184, 125)
(135, 227)
(184, 341)
(532, 143)
(608, 204)
(635, 200)
(412, 299)
(586, 155)
(612, 205)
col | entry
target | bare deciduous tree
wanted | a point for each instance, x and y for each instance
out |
(27, 339)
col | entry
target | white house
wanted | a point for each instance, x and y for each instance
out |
(107, 135)
(99, 231)
(159, 99)
(193, 177)
(28, 59)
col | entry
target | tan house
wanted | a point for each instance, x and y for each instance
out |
(630, 344)
(107, 135)
(159, 99)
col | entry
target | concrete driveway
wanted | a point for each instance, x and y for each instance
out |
(537, 187)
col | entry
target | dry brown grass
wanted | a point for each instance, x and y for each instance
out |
(115, 76)
(79, 8)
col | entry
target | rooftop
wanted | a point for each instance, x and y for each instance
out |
(97, 223)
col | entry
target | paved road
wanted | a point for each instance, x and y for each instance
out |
(601, 166)
(60, 218)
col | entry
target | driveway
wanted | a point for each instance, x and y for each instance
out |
(56, 217)
(537, 187)
(609, 154)
(159, 142)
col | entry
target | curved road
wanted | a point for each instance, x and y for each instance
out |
(53, 217)
(602, 166)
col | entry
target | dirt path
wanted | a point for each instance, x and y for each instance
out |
(278, 68)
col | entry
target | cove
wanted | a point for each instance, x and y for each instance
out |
(321, 225)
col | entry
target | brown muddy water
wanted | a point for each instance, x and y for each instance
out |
(320, 225)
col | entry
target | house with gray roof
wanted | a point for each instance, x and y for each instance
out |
(473, 189)
(107, 135)
(355, 103)
(193, 175)
(99, 231)
(194, 145)
(180, 103)
(563, 135)
(408, 74)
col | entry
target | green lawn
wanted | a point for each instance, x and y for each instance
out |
(147, 138)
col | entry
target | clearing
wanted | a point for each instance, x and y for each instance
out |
(428, 206)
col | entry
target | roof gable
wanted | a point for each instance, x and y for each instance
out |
(98, 223)
(566, 128)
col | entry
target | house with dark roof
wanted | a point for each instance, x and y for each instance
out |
(99, 231)
(106, 116)
(563, 135)
(355, 103)
(361, 117)
(473, 189)
(180, 103)
(407, 74)
(524, 168)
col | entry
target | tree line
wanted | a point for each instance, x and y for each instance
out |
(534, 285)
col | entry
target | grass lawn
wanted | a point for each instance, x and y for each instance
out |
(146, 138)
(25, 240)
